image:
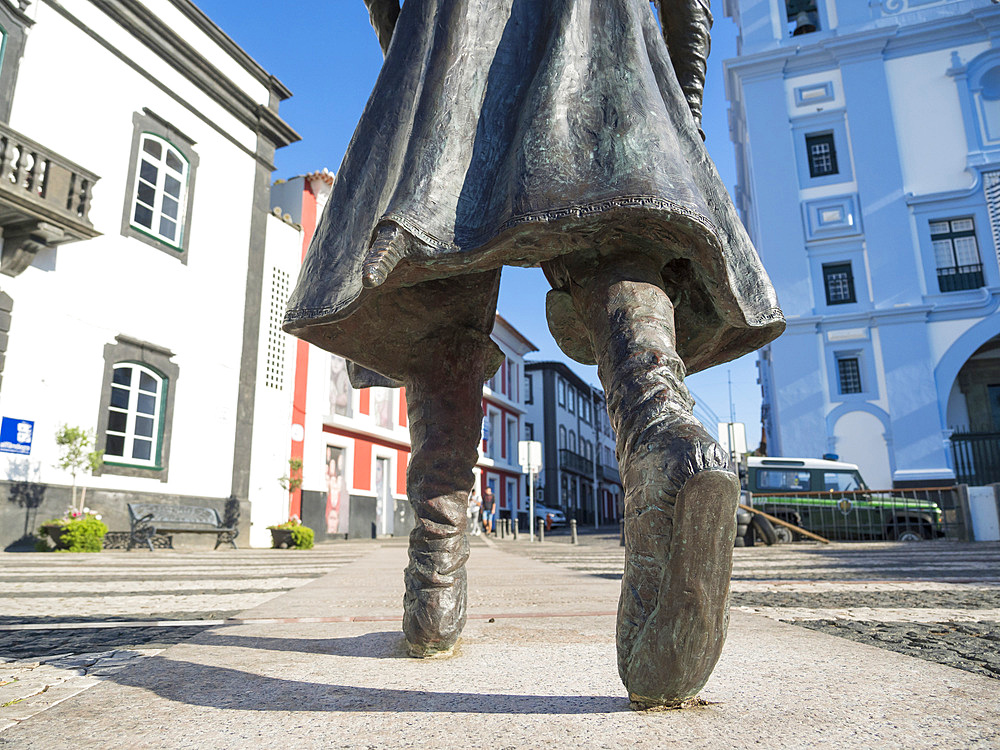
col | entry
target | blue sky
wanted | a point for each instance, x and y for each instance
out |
(326, 52)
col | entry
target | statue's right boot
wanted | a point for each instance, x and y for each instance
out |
(445, 410)
(680, 493)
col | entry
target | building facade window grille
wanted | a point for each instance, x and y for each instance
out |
(133, 431)
(956, 254)
(849, 375)
(822, 154)
(838, 281)
(277, 339)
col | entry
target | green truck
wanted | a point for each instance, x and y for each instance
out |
(831, 499)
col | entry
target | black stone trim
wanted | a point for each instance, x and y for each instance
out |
(128, 349)
(155, 81)
(149, 122)
(253, 302)
(15, 23)
(203, 22)
(6, 308)
(149, 29)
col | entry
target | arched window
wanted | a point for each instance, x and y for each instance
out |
(134, 415)
(159, 201)
(562, 438)
(572, 441)
(161, 181)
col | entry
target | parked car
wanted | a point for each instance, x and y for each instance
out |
(543, 511)
(830, 498)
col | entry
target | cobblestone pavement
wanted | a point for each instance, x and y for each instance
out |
(68, 621)
(933, 600)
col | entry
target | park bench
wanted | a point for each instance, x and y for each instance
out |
(150, 519)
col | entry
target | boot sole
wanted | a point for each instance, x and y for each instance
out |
(677, 647)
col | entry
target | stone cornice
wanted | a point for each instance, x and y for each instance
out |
(203, 22)
(886, 40)
(149, 29)
(983, 303)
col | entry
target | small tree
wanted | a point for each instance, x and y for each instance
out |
(77, 454)
(291, 481)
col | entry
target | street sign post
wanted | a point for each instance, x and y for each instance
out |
(529, 455)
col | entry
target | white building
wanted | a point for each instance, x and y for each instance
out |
(868, 151)
(142, 273)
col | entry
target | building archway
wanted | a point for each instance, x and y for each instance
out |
(970, 370)
(861, 434)
(964, 348)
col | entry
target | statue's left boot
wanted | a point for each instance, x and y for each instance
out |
(680, 493)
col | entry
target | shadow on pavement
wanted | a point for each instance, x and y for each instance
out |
(233, 689)
(383, 645)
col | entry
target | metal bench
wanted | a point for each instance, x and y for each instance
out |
(150, 519)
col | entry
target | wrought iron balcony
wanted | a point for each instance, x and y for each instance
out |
(576, 463)
(957, 278)
(44, 200)
(609, 473)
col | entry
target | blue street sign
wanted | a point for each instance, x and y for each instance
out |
(15, 435)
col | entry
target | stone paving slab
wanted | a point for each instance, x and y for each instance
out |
(540, 674)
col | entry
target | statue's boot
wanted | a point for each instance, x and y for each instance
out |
(444, 404)
(680, 492)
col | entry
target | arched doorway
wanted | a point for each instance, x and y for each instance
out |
(973, 415)
(859, 437)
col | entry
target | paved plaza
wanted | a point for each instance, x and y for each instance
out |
(189, 636)
(936, 600)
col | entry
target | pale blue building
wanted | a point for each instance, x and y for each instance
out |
(868, 153)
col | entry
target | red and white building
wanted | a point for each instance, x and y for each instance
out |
(354, 444)
(503, 424)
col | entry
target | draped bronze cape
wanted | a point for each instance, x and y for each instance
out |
(514, 132)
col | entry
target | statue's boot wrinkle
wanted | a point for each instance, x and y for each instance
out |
(680, 493)
(446, 415)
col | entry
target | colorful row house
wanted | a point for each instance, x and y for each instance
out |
(354, 444)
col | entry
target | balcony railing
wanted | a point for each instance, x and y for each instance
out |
(609, 473)
(957, 278)
(977, 457)
(44, 200)
(576, 463)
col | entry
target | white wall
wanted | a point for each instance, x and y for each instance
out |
(928, 120)
(273, 406)
(79, 102)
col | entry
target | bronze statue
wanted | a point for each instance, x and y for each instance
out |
(565, 134)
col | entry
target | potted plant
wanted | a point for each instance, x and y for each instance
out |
(80, 529)
(291, 482)
(291, 535)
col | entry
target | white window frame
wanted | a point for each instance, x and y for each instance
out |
(132, 415)
(161, 197)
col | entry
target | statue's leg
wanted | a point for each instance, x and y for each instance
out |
(444, 403)
(680, 492)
